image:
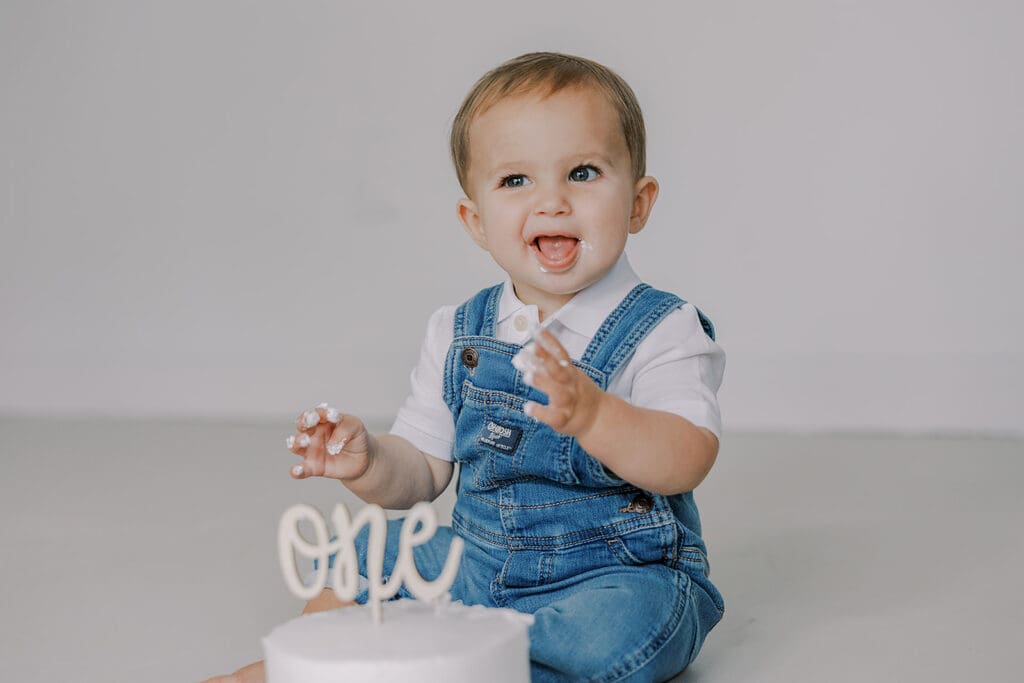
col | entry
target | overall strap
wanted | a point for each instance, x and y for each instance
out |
(476, 317)
(631, 321)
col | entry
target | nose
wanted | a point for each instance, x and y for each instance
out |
(551, 201)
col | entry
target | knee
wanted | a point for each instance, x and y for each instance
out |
(253, 673)
(617, 636)
(325, 601)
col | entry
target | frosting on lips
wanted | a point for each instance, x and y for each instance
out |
(556, 252)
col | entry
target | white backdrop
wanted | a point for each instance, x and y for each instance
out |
(239, 209)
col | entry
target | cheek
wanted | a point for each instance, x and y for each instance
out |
(611, 209)
(503, 215)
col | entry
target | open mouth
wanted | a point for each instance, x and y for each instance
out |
(556, 253)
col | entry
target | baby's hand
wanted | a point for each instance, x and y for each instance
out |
(331, 445)
(573, 398)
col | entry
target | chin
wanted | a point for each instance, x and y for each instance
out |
(570, 284)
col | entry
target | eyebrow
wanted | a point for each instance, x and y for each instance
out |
(505, 165)
(596, 156)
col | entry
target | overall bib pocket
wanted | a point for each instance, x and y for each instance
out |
(501, 434)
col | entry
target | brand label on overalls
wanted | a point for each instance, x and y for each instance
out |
(500, 437)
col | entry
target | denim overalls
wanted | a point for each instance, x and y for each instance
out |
(616, 577)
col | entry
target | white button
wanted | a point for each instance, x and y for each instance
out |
(520, 323)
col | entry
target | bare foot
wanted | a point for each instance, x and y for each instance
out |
(247, 674)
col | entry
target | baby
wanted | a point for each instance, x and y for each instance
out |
(577, 460)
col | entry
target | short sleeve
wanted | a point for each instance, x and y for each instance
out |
(424, 418)
(678, 369)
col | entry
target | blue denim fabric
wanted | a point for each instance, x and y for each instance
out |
(616, 578)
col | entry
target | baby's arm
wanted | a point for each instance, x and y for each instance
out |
(651, 449)
(385, 469)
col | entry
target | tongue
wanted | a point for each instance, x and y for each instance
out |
(555, 248)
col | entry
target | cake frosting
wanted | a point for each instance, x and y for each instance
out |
(415, 641)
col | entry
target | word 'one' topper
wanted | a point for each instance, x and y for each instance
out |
(419, 526)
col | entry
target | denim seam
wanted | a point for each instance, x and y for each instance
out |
(671, 542)
(463, 529)
(622, 553)
(510, 349)
(565, 448)
(545, 568)
(600, 337)
(491, 310)
(489, 397)
(628, 346)
(577, 538)
(594, 496)
(490, 343)
(498, 592)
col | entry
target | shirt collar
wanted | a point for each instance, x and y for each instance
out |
(585, 312)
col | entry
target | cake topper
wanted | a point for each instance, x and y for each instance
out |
(419, 526)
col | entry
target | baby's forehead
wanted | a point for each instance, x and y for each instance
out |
(584, 95)
(565, 115)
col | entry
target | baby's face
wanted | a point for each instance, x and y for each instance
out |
(553, 195)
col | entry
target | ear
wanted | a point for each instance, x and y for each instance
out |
(470, 218)
(645, 193)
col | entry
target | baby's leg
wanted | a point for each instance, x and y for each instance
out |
(325, 601)
(430, 557)
(253, 673)
(641, 624)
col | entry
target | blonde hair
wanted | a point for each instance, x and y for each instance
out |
(547, 73)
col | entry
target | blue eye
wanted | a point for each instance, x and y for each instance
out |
(584, 173)
(513, 181)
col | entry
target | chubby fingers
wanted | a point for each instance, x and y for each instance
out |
(553, 374)
(315, 427)
(339, 436)
(550, 363)
(573, 399)
(309, 419)
(548, 346)
(336, 451)
(310, 447)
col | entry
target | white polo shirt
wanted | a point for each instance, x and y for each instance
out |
(677, 368)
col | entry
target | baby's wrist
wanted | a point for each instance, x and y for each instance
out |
(595, 407)
(372, 449)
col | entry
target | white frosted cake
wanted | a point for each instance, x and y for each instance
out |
(430, 639)
(415, 641)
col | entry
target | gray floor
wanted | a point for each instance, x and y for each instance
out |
(146, 551)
